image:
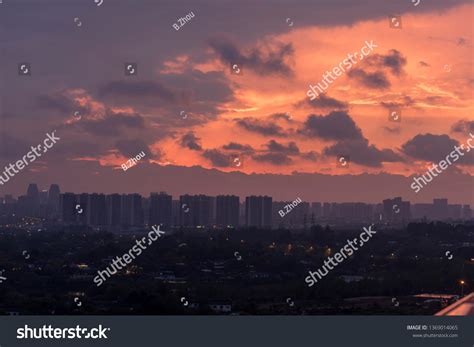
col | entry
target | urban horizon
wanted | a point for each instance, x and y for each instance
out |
(200, 210)
(224, 194)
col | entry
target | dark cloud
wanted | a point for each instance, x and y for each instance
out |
(263, 63)
(463, 127)
(112, 124)
(198, 94)
(394, 61)
(190, 141)
(217, 158)
(203, 93)
(337, 125)
(429, 147)
(433, 148)
(61, 103)
(323, 101)
(273, 158)
(311, 155)
(233, 146)
(423, 64)
(284, 116)
(374, 74)
(360, 152)
(261, 127)
(131, 148)
(150, 92)
(373, 80)
(291, 148)
(404, 101)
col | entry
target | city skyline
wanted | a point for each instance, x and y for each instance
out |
(134, 210)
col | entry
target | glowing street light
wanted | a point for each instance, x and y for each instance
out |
(462, 283)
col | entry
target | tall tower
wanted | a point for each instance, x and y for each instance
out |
(33, 200)
(53, 201)
(227, 210)
(160, 209)
(258, 211)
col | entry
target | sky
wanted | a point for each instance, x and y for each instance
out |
(206, 129)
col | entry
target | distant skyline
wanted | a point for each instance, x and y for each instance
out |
(284, 194)
(192, 116)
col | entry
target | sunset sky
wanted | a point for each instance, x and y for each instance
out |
(185, 109)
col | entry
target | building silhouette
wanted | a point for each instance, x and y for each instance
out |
(160, 207)
(68, 208)
(32, 203)
(227, 210)
(53, 201)
(114, 209)
(396, 211)
(195, 210)
(97, 210)
(133, 211)
(82, 208)
(258, 211)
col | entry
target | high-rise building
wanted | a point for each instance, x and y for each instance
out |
(440, 209)
(126, 210)
(287, 214)
(227, 210)
(53, 201)
(82, 208)
(277, 220)
(258, 211)
(326, 210)
(396, 211)
(138, 216)
(317, 209)
(132, 214)
(195, 210)
(335, 211)
(33, 200)
(466, 212)
(114, 209)
(43, 197)
(68, 204)
(160, 209)
(175, 212)
(97, 210)
(9, 199)
(423, 211)
(455, 211)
